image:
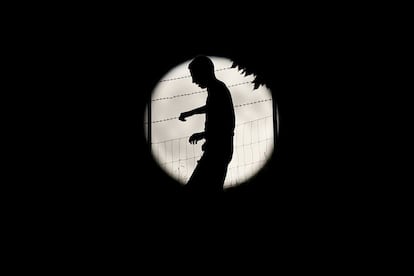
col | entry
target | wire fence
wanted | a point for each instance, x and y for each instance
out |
(253, 141)
(253, 144)
(236, 106)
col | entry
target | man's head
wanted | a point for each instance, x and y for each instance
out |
(202, 70)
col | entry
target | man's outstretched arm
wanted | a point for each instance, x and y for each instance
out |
(199, 110)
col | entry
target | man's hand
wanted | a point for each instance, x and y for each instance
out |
(199, 110)
(183, 116)
(196, 137)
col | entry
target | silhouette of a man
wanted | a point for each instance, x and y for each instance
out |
(210, 173)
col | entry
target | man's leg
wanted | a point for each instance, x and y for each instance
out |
(198, 175)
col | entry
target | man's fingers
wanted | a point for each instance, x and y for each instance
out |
(181, 117)
(194, 138)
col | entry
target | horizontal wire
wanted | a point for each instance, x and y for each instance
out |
(196, 92)
(236, 106)
(239, 124)
(253, 143)
(230, 167)
(188, 76)
(248, 164)
(237, 84)
(236, 146)
(164, 120)
(243, 123)
(256, 102)
(180, 95)
(188, 136)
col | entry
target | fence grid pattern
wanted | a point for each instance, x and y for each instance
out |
(253, 143)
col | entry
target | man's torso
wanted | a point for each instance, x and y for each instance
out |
(220, 118)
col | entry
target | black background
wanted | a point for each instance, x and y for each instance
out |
(87, 164)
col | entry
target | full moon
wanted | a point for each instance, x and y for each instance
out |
(176, 93)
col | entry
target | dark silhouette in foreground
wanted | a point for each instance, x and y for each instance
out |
(210, 172)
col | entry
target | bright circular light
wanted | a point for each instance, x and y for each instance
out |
(175, 93)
